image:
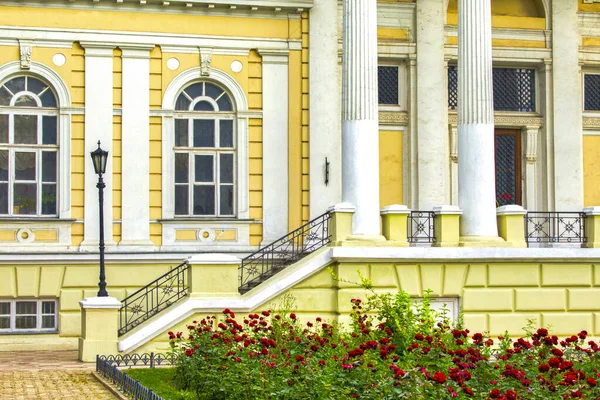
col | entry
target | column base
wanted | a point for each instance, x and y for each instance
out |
(482, 241)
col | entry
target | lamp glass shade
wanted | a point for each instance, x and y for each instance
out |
(99, 158)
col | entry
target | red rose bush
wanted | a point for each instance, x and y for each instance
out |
(394, 349)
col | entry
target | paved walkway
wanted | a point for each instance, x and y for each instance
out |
(52, 375)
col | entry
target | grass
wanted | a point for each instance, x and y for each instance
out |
(160, 380)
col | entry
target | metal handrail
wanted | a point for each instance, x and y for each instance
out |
(421, 227)
(271, 259)
(555, 227)
(153, 298)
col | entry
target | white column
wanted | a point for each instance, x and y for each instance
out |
(476, 169)
(360, 130)
(432, 111)
(275, 144)
(98, 126)
(568, 124)
(324, 121)
(531, 159)
(135, 142)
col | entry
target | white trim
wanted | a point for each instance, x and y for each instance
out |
(511, 209)
(212, 258)
(342, 208)
(395, 209)
(592, 211)
(241, 160)
(100, 302)
(447, 210)
(64, 126)
(38, 315)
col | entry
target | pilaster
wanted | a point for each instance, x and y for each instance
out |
(476, 169)
(135, 142)
(275, 144)
(98, 126)
(567, 117)
(324, 106)
(360, 127)
(432, 110)
(531, 170)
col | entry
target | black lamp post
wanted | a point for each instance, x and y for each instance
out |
(99, 158)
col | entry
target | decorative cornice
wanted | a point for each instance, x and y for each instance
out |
(591, 122)
(393, 117)
(508, 120)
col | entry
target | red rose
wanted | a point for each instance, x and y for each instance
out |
(293, 316)
(439, 377)
(510, 395)
(495, 394)
(591, 381)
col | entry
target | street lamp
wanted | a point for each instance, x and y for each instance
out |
(99, 158)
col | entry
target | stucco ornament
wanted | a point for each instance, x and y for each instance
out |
(25, 50)
(205, 60)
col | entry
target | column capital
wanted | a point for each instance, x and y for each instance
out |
(136, 50)
(98, 49)
(273, 56)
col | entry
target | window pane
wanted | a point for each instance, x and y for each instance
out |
(194, 90)
(16, 85)
(35, 85)
(3, 128)
(181, 168)
(181, 133)
(49, 126)
(26, 307)
(204, 169)
(25, 101)
(25, 322)
(25, 198)
(204, 133)
(49, 166)
(48, 322)
(181, 200)
(226, 199)
(49, 199)
(224, 103)
(388, 85)
(204, 200)
(48, 99)
(4, 322)
(182, 103)
(24, 166)
(226, 168)
(25, 129)
(212, 91)
(226, 133)
(5, 96)
(4, 165)
(4, 308)
(3, 198)
(48, 307)
(204, 106)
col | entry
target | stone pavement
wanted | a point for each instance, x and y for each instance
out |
(52, 375)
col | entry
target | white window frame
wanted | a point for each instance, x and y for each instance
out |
(38, 329)
(63, 100)
(37, 148)
(240, 120)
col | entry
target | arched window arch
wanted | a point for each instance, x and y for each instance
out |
(205, 151)
(29, 139)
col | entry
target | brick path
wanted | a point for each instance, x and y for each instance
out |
(52, 375)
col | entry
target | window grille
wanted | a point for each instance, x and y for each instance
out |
(388, 85)
(514, 89)
(592, 92)
(506, 169)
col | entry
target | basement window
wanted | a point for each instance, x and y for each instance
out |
(28, 316)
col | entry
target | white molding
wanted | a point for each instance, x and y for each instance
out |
(275, 94)
(511, 209)
(170, 228)
(100, 302)
(395, 209)
(213, 258)
(64, 125)
(342, 208)
(135, 143)
(168, 184)
(447, 210)
(508, 33)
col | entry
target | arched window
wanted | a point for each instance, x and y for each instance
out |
(28, 147)
(204, 145)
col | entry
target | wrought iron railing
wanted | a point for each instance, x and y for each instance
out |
(421, 227)
(271, 259)
(107, 366)
(153, 298)
(555, 227)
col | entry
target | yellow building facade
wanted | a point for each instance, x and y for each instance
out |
(223, 124)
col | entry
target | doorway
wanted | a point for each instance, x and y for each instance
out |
(508, 166)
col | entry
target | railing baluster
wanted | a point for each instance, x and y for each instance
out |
(555, 227)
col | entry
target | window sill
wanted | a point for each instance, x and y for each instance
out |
(209, 220)
(30, 332)
(26, 219)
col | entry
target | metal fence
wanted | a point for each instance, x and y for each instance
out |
(271, 259)
(108, 367)
(421, 227)
(555, 227)
(153, 298)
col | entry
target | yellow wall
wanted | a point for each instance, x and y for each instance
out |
(591, 170)
(305, 120)
(390, 168)
(589, 7)
(512, 8)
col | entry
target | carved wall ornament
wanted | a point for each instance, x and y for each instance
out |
(507, 120)
(454, 143)
(531, 133)
(591, 122)
(205, 60)
(25, 50)
(393, 117)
